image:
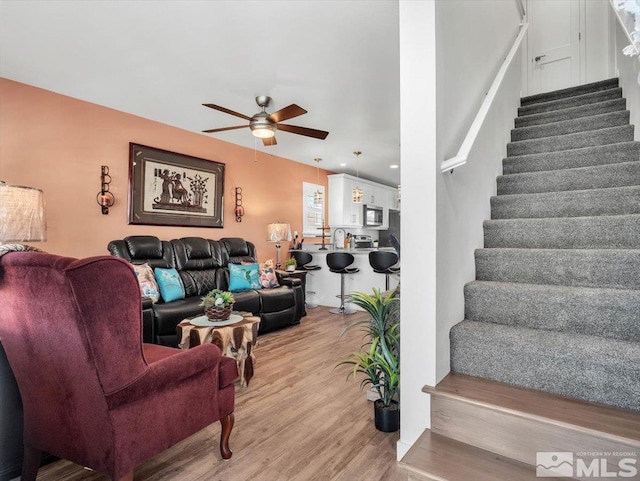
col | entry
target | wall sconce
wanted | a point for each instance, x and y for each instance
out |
(239, 211)
(104, 197)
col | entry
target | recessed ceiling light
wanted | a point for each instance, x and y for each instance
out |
(344, 164)
(394, 166)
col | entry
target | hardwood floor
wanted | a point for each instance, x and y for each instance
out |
(299, 420)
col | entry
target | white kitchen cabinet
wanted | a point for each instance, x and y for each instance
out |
(344, 213)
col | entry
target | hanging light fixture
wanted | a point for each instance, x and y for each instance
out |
(318, 197)
(356, 195)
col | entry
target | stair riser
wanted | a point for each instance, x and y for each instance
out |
(570, 159)
(501, 432)
(570, 92)
(586, 124)
(605, 232)
(579, 203)
(595, 369)
(609, 269)
(586, 99)
(580, 140)
(611, 313)
(571, 113)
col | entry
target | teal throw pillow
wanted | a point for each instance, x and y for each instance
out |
(243, 277)
(169, 283)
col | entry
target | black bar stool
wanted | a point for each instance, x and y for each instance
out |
(383, 262)
(302, 261)
(339, 263)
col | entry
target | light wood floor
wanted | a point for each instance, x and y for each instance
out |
(299, 420)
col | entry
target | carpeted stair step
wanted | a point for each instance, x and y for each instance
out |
(610, 135)
(585, 124)
(581, 178)
(570, 92)
(611, 313)
(603, 232)
(592, 368)
(571, 113)
(570, 159)
(567, 103)
(573, 203)
(606, 268)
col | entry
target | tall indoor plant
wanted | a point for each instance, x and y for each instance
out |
(379, 357)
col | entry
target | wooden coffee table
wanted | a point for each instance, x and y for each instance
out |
(236, 340)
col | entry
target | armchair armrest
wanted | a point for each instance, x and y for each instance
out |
(167, 372)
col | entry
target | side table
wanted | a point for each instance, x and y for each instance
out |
(235, 340)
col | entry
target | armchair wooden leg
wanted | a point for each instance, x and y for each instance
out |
(30, 463)
(227, 426)
(126, 477)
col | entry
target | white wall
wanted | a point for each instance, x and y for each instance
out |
(418, 178)
(597, 39)
(628, 70)
(472, 40)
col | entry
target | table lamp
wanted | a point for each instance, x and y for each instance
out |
(277, 232)
(22, 216)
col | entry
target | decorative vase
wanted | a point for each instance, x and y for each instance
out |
(218, 313)
(387, 418)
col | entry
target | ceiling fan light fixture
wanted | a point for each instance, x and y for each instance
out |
(264, 131)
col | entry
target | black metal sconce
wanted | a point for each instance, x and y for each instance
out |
(104, 197)
(239, 209)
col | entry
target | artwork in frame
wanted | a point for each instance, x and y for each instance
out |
(167, 188)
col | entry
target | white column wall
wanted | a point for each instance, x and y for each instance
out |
(418, 234)
(628, 70)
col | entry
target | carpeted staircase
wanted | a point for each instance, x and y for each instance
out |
(556, 301)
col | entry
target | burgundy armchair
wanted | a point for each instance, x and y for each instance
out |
(92, 392)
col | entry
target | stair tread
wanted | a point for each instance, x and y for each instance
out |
(581, 111)
(573, 158)
(568, 92)
(439, 458)
(567, 102)
(575, 125)
(595, 418)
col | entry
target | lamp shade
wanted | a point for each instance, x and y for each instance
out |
(22, 216)
(278, 231)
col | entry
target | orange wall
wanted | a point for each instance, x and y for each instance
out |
(57, 144)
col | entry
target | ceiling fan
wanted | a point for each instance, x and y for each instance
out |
(264, 125)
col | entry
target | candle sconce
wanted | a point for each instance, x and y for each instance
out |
(105, 198)
(239, 211)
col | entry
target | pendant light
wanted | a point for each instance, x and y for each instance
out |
(318, 198)
(356, 195)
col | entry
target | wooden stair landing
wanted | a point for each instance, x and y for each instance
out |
(485, 430)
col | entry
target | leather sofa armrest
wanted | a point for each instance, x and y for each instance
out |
(147, 303)
(148, 329)
(289, 281)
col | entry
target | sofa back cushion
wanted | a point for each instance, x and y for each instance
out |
(200, 263)
(143, 249)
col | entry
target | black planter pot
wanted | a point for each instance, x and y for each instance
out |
(387, 419)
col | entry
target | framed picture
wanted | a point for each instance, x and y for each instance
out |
(166, 188)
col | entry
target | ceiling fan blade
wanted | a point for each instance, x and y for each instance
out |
(318, 134)
(210, 131)
(287, 113)
(226, 111)
(269, 141)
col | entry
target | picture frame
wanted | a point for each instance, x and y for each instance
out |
(168, 188)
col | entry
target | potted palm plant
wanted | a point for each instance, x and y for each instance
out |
(379, 358)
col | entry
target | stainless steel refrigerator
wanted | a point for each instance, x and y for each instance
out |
(394, 229)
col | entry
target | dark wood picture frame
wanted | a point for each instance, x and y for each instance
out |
(167, 188)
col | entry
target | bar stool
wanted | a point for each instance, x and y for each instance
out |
(383, 262)
(302, 261)
(339, 263)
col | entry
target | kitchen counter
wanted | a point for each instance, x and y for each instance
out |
(354, 251)
(326, 285)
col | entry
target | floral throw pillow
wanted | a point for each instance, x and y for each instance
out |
(268, 278)
(147, 281)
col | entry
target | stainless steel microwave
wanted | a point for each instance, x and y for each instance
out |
(372, 216)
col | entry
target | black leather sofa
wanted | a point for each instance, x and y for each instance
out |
(203, 266)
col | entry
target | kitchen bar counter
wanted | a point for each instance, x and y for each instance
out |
(326, 284)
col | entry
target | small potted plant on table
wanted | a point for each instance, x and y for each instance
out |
(218, 305)
(290, 264)
(379, 358)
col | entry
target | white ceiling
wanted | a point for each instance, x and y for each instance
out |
(162, 59)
